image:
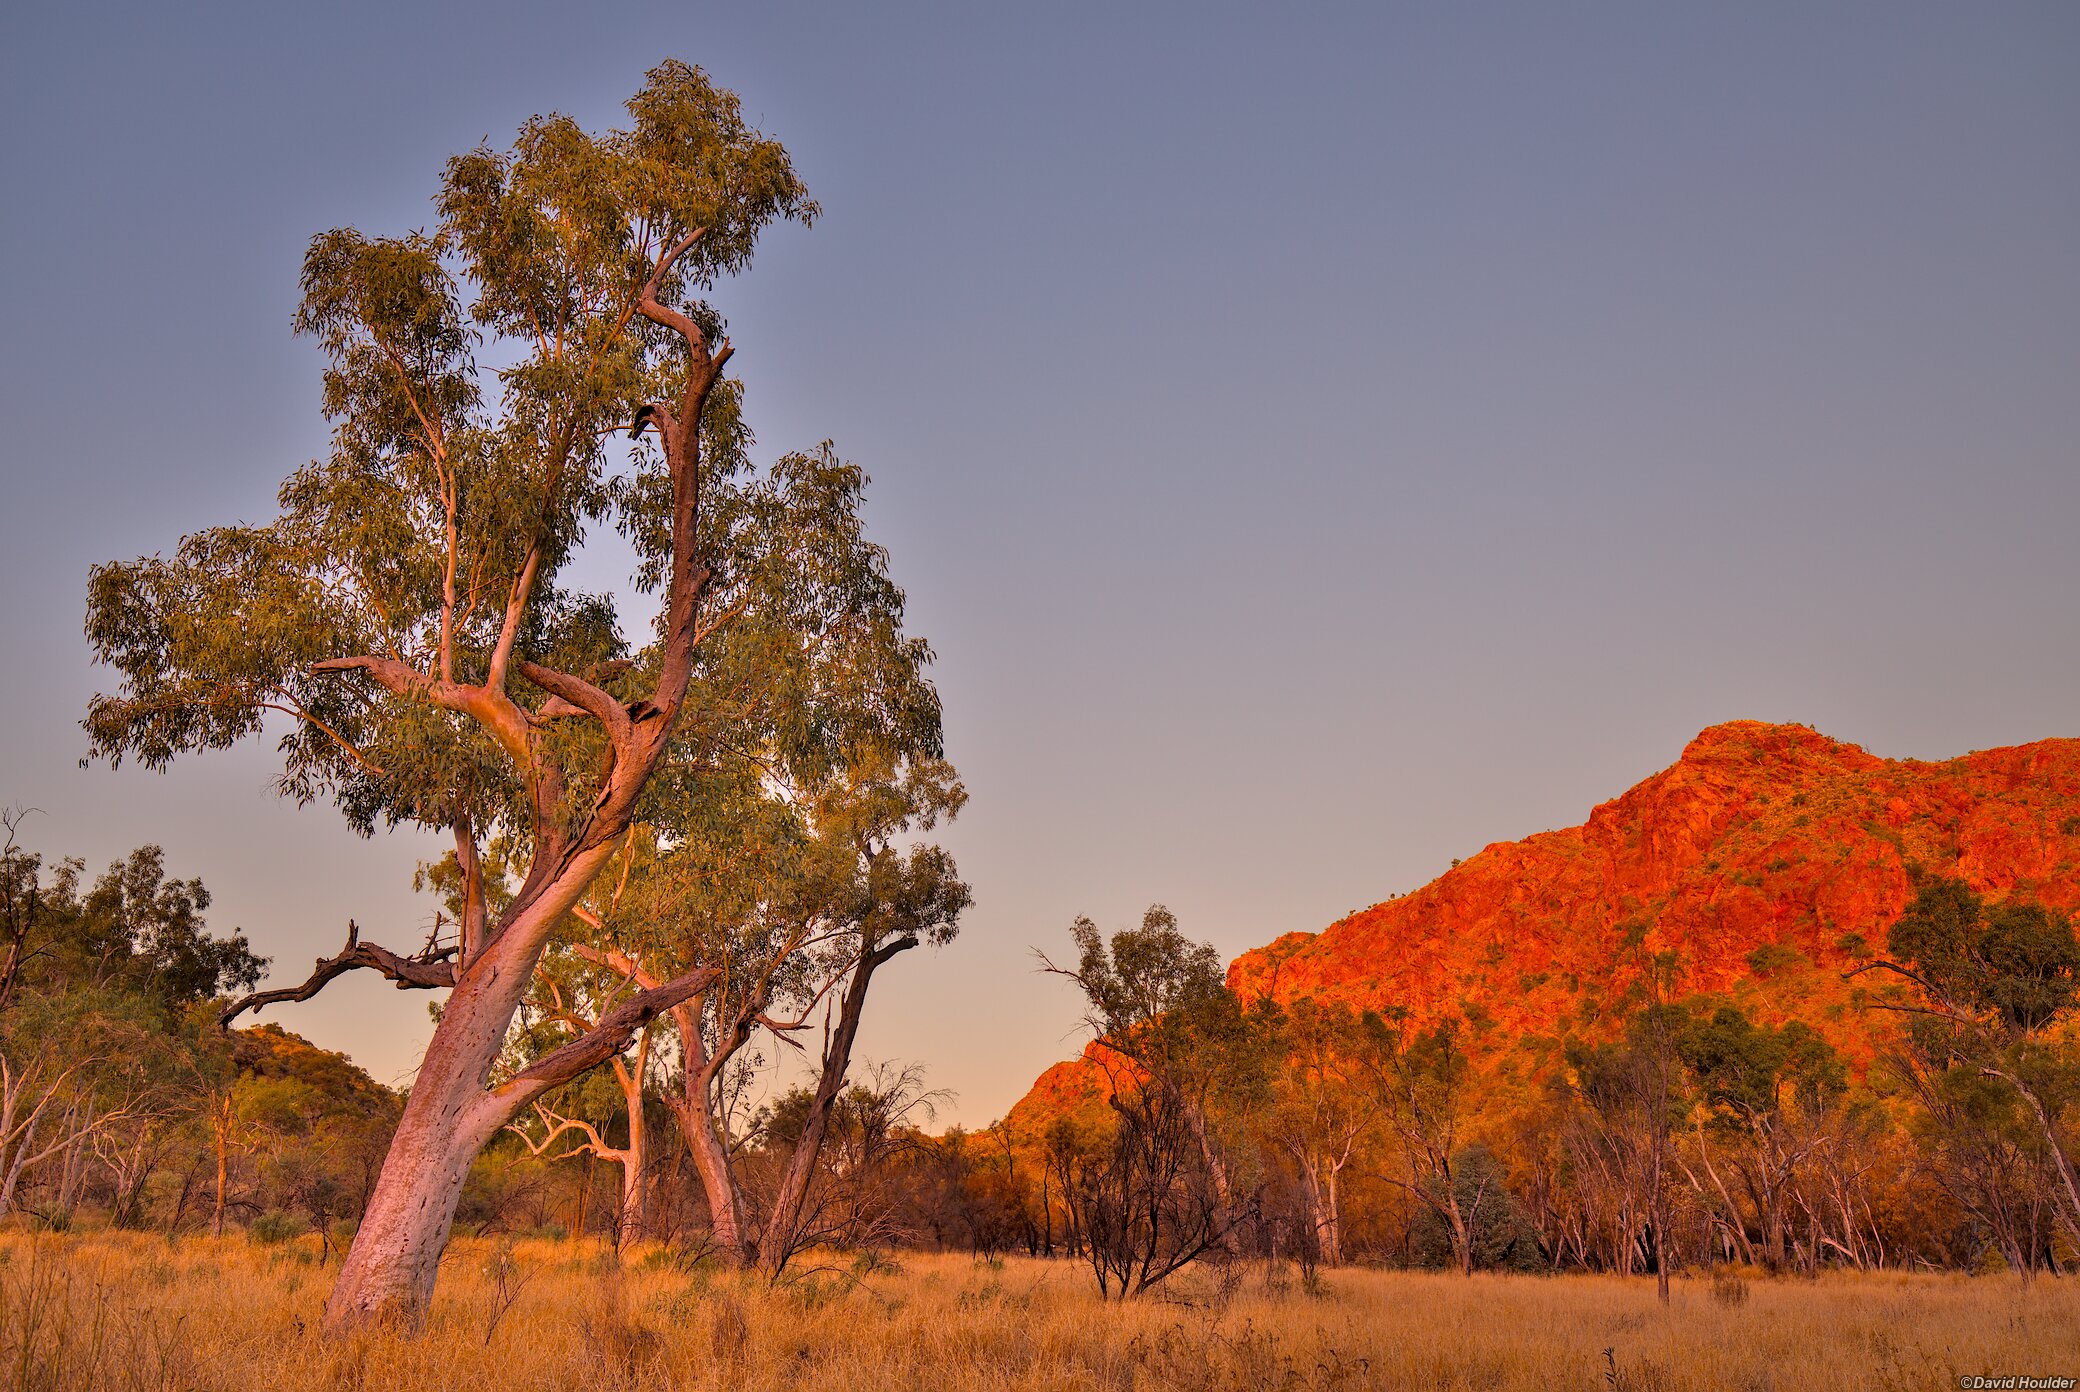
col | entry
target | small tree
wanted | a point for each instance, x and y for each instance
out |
(1420, 1083)
(1634, 1094)
(1171, 1038)
(1764, 1088)
(1321, 1105)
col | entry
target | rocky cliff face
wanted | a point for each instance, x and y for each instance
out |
(1769, 858)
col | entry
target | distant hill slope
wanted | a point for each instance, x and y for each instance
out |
(269, 1051)
(1770, 858)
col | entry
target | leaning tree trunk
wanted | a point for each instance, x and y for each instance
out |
(450, 1116)
(390, 1269)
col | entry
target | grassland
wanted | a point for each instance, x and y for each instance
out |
(129, 1311)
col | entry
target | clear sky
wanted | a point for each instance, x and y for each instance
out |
(1318, 440)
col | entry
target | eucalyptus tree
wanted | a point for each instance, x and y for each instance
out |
(405, 622)
(569, 999)
(1422, 1083)
(1321, 1106)
(1765, 1089)
(1174, 1042)
(94, 980)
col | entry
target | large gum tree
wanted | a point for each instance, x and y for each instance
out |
(403, 624)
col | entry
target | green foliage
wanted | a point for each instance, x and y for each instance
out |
(1145, 976)
(1747, 1071)
(1771, 958)
(453, 490)
(1501, 1237)
(2016, 961)
(133, 931)
(274, 1227)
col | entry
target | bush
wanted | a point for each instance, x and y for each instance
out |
(1503, 1237)
(274, 1226)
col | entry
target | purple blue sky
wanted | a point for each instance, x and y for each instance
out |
(1318, 440)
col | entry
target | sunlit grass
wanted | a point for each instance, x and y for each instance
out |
(120, 1310)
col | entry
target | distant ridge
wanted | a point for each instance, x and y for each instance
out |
(1770, 858)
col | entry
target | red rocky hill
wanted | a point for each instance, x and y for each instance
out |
(1770, 858)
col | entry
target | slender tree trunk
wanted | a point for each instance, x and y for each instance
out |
(2069, 1209)
(1332, 1220)
(634, 1224)
(692, 1110)
(1216, 1171)
(1462, 1236)
(630, 1224)
(216, 1216)
(782, 1229)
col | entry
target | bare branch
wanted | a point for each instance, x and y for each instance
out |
(557, 1126)
(425, 973)
(664, 315)
(516, 608)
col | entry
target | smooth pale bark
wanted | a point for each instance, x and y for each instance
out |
(632, 1215)
(390, 1269)
(634, 1223)
(1318, 1187)
(1216, 1172)
(690, 1104)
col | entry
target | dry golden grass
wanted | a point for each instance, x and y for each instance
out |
(116, 1310)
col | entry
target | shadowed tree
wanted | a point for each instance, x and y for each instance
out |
(1635, 1103)
(406, 615)
(1172, 1040)
(1160, 1002)
(1762, 1089)
(93, 989)
(1320, 1105)
(1993, 979)
(1421, 1081)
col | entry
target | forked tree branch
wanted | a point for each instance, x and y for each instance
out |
(424, 973)
(582, 694)
(662, 314)
(489, 707)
